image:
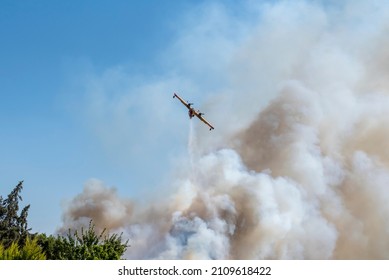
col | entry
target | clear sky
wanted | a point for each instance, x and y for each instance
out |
(54, 56)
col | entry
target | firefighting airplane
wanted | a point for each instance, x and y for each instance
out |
(192, 112)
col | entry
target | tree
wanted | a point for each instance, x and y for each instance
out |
(30, 251)
(84, 245)
(13, 227)
(16, 241)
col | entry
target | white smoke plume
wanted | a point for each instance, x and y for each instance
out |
(298, 165)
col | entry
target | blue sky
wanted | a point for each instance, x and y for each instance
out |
(52, 53)
(86, 92)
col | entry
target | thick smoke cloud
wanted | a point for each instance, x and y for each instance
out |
(298, 165)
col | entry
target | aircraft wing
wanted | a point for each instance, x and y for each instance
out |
(187, 105)
(199, 115)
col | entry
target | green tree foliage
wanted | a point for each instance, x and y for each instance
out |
(30, 251)
(16, 242)
(83, 245)
(13, 226)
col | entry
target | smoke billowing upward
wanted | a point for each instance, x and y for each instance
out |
(298, 165)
